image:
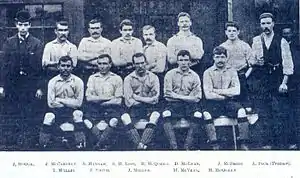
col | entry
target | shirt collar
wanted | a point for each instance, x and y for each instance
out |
(101, 76)
(180, 33)
(185, 73)
(138, 77)
(71, 78)
(95, 40)
(268, 37)
(57, 42)
(21, 38)
(127, 41)
(214, 68)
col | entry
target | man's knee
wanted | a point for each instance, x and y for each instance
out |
(49, 118)
(241, 113)
(77, 116)
(207, 116)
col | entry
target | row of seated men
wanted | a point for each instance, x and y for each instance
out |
(102, 112)
(21, 74)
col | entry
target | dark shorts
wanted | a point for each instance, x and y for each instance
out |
(182, 109)
(142, 111)
(95, 112)
(62, 115)
(226, 108)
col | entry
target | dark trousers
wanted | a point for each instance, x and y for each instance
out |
(272, 107)
(21, 115)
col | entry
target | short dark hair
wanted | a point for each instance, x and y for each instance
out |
(220, 50)
(147, 27)
(136, 55)
(65, 59)
(93, 21)
(125, 22)
(62, 22)
(183, 53)
(232, 24)
(105, 56)
(183, 14)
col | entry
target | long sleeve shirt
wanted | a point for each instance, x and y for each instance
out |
(107, 86)
(90, 48)
(190, 42)
(72, 90)
(147, 86)
(257, 53)
(187, 84)
(238, 53)
(123, 50)
(54, 50)
(225, 80)
(156, 55)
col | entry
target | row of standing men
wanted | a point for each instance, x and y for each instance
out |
(268, 64)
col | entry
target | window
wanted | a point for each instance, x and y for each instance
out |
(43, 21)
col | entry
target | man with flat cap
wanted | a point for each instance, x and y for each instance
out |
(20, 79)
(272, 65)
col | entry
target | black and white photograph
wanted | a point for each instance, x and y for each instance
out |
(157, 75)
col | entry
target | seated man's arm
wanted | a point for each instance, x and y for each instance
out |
(128, 94)
(195, 95)
(51, 99)
(233, 90)
(168, 88)
(90, 94)
(209, 93)
(75, 102)
(154, 92)
(117, 99)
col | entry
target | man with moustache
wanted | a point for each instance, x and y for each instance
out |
(239, 53)
(185, 40)
(221, 85)
(182, 92)
(156, 54)
(20, 83)
(155, 51)
(58, 48)
(123, 48)
(272, 65)
(64, 118)
(141, 93)
(90, 48)
(103, 103)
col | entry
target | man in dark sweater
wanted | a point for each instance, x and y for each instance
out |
(272, 65)
(20, 79)
(294, 89)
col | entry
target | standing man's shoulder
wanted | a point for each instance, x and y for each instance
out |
(106, 40)
(171, 72)
(256, 38)
(160, 44)
(193, 35)
(115, 76)
(71, 44)
(12, 40)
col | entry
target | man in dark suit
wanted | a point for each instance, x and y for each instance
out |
(20, 80)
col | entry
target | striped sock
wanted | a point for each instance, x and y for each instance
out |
(106, 135)
(148, 133)
(243, 126)
(45, 135)
(133, 134)
(170, 134)
(194, 126)
(210, 130)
